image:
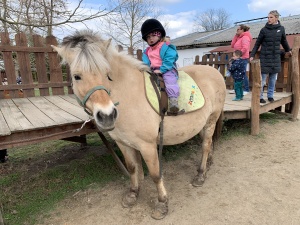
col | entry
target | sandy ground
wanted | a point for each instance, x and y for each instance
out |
(253, 180)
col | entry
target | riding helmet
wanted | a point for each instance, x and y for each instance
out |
(151, 25)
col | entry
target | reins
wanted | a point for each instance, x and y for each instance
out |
(157, 81)
(103, 138)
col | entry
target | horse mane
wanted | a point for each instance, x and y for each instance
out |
(94, 54)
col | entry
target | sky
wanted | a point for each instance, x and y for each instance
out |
(180, 14)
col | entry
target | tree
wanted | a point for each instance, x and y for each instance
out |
(212, 19)
(41, 16)
(124, 24)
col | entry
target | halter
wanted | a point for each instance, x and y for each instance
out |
(88, 94)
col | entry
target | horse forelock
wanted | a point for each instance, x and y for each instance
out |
(90, 59)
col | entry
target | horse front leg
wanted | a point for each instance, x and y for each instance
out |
(150, 156)
(206, 158)
(134, 166)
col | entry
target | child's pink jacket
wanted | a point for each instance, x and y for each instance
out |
(242, 42)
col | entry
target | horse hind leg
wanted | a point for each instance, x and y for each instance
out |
(134, 166)
(207, 145)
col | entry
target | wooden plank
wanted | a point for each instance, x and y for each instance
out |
(14, 118)
(35, 85)
(71, 99)
(273, 105)
(8, 65)
(19, 139)
(33, 114)
(54, 67)
(4, 129)
(24, 64)
(25, 49)
(40, 61)
(73, 109)
(58, 115)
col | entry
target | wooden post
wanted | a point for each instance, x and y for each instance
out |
(255, 104)
(139, 54)
(197, 60)
(295, 78)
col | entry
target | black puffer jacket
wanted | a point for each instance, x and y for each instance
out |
(270, 37)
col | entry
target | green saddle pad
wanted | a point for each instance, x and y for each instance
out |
(190, 99)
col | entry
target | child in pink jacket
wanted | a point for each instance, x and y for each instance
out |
(241, 41)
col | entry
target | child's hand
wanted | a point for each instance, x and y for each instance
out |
(157, 71)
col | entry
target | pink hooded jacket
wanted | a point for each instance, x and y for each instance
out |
(242, 42)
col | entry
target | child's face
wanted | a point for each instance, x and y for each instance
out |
(234, 56)
(153, 37)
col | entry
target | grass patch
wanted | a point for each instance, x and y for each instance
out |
(25, 195)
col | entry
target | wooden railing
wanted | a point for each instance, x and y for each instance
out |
(27, 61)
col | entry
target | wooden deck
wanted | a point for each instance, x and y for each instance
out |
(242, 109)
(34, 119)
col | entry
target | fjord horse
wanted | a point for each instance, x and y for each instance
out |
(110, 86)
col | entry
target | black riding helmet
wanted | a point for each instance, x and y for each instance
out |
(152, 25)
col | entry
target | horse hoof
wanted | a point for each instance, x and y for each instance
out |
(160, 211)
(198, 181)
(129, 199)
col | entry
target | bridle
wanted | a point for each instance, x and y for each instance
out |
(87, 96)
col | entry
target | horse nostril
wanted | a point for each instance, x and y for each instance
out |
(100, 117)
(115, 113)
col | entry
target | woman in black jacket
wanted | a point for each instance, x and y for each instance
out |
(270, 37)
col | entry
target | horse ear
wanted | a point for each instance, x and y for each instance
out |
(66, 56)
(107, 44)
(57, 49)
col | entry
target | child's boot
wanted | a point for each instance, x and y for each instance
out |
(174, 105)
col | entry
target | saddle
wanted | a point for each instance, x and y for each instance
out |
(190, 99)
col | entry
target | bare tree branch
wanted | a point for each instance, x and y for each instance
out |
(212, 19)
(45, 14)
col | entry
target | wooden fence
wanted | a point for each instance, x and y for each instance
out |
(38, 66)
(220, 62)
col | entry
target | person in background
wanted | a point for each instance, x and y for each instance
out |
(161, 57)
(270, 37)
(237, 70)
(241, 41)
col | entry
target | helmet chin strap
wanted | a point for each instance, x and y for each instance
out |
(155, 43)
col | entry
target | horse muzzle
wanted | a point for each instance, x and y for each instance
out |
(106, 121)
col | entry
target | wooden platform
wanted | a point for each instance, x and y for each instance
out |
(35, 119)
(242, 109)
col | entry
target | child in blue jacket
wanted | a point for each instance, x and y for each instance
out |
(161, 57)
(237, 70)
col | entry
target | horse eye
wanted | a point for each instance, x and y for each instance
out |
(77, 77)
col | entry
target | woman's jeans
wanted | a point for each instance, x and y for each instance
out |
(271, 84)
(246, 79)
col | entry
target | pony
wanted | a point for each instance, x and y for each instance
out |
(110, 86)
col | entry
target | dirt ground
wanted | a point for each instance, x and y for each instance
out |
(253, 180)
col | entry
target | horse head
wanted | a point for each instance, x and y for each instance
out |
(85, 53)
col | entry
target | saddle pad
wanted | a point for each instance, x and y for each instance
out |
(190, 98)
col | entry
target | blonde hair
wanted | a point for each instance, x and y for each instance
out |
(275, 13)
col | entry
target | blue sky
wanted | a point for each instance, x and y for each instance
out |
(179, 14)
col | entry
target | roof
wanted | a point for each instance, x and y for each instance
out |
(224, 37)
